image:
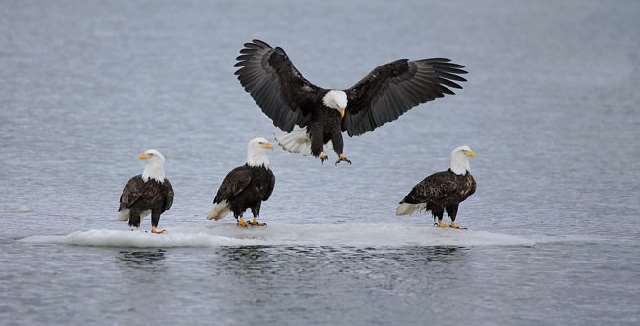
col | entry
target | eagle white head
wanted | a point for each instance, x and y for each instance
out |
(336, 100)
(459, 159)
(154, 165)
(257, 152)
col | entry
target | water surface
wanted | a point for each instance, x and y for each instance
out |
(550, 107)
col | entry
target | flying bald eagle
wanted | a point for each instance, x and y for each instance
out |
(147, 193)
(291, 101)
(246, 186)
(443, 190)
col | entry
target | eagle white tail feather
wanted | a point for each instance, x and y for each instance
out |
(296, 141)
(219, 211)
(408, 209)
(123, 215)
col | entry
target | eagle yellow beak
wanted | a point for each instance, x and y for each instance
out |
(144, 156)
(341, 110)
(470, 153)
(268, 145)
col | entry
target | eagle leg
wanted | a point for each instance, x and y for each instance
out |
(155, 219)
(242, 223)
(438, 215)
(323, 157)
(452, 210)
(342, 158)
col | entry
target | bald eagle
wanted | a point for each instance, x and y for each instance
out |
(147, 193)
(443, 190)
(312, 116)
(246, 186)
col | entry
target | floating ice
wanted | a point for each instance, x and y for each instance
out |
(359, 235)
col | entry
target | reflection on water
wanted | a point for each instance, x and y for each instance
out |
(85, 87)
(253, 261)
(295, 278)
(141, 258)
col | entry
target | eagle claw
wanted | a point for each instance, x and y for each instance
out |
(441, 224)
(323, 157)
(255, 222)
(343, 158)
(157, 231)
(242, 223)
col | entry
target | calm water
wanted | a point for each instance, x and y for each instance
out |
(551, 107)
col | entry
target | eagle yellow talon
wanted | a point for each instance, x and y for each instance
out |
(242, 223)
(343, 158)
(157, 231)
(323, 157)
(441, 224)
(254, 222)
(455, 226)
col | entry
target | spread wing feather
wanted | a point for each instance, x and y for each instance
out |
(233, 184)
(275, 84)
(392, 89)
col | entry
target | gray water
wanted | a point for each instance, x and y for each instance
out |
(550, 107)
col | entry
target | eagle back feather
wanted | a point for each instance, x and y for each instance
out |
(137, 189)
(233, 184)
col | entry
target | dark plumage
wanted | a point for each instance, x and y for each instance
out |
(442, 191)
(246, 186)
(290, 100)
(141, 197)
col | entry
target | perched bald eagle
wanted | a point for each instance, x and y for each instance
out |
(290, 100)
(246, 186)
(147, 193)
(443, 190)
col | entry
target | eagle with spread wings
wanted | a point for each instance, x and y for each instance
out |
(312, 116)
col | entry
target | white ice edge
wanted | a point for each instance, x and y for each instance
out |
(227, 234)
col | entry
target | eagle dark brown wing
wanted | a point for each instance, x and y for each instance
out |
(434, 188)
(137, 189)
(392, 89)
(233, 184)
(275, 84)
(132, 192)
(266, 193)
(168, 194)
